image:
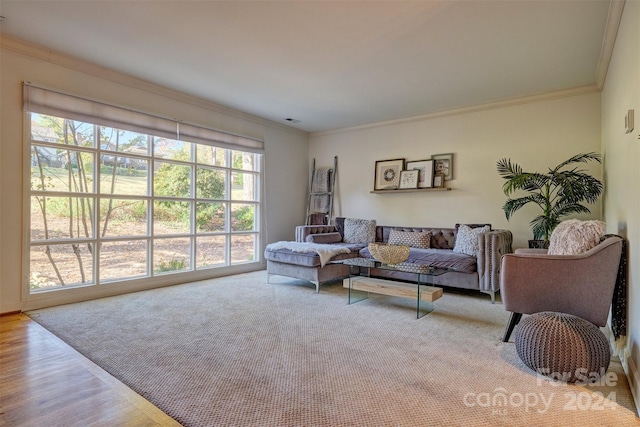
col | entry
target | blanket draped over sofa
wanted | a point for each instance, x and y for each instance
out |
(324, 251)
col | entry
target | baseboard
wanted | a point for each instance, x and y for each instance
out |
(628, 365)
(633, 376)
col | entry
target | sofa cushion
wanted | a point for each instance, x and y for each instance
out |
(444, 258)
(359, 230)
(467, 239)
(326, 238)
(573, 237)
(307, 259)
(410, 238)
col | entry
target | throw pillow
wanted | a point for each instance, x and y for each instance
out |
(467, 239)
(359, 230)
(410, 238)
(573, 237)
(457, 226)
(324, 238)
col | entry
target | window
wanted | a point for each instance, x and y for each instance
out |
(110, 202)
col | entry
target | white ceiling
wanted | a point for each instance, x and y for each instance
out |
(330, 64)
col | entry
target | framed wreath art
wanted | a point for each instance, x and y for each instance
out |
(387, 174)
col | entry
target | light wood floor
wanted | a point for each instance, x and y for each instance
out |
(45, 382)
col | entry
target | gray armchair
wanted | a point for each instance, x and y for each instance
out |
(581, 285)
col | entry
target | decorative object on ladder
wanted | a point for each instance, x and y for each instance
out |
(320, 199)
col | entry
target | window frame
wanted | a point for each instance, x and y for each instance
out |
(193, 273)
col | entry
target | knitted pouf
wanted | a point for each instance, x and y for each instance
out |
(563, 347)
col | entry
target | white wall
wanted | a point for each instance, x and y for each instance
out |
(537, 135)
(622, 151)
(286, 150)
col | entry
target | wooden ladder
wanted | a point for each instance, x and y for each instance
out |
(332, 182)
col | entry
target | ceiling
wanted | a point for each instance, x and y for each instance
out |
(330, 64)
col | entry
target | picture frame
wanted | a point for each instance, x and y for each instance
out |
(438, 180)
(409, 179)
(387, 174)
(444, 165)
(426, 169)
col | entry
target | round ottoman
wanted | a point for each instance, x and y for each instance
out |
(563, 347)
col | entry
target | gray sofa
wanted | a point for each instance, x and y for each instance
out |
(481, 272)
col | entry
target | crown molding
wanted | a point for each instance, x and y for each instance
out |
(608, 41)
(565, 93)
(61, 59)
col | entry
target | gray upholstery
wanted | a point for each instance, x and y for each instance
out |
(581, 285)
(481, 273)
(315, 275)
(441, 238)
(308, 259)
(324, 238)
(445, 258)
(303, 231)
(563, 347)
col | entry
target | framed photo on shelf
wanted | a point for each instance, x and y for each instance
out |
(409, 179)
(438, 180)
(425, 169)
(444, 165)
(387, 175)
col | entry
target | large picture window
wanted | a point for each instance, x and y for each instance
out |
(109, 203)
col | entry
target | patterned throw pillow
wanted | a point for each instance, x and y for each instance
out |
(467, 239)
(573, 237)
(410, 238)
(359, 230)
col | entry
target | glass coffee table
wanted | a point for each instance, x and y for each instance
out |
(360, 282)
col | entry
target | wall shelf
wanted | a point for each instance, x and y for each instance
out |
(410, 190)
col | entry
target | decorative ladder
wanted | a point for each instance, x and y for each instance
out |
(320, 199)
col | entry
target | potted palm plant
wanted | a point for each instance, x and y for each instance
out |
(558, 192)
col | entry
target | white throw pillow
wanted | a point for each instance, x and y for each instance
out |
(467, 239)
(414, 239)
(573, 237)
(359, 230)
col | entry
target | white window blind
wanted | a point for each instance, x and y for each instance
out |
(41, 100)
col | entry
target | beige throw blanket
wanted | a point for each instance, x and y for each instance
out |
(325, 252)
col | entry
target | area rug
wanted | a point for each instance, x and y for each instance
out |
(237, 351)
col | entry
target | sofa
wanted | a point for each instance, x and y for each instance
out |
(480, 271)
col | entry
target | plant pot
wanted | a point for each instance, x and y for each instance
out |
(538, 244)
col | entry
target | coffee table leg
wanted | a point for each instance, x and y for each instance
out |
(423, 307)
(354, 293)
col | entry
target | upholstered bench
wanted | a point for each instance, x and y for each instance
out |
(563, 347)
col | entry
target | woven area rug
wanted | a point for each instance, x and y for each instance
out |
(237, 351)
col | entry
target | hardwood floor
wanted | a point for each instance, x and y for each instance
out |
(43, 381)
